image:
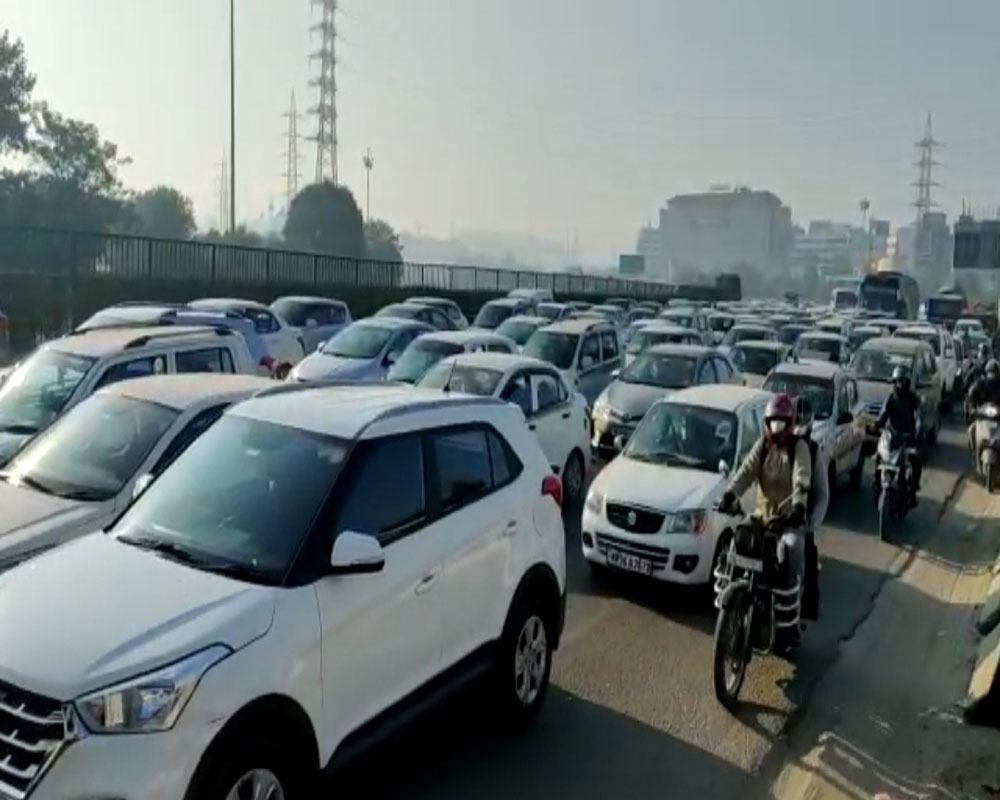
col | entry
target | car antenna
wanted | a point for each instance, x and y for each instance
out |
(451, 372)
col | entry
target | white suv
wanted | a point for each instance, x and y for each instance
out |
(319, 564)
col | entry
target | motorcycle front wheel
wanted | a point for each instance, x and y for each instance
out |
(991, 478)
(732, 649)
(884, 511)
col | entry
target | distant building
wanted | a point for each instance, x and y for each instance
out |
(878, 232)
(831, 249)
(717, 231)
(631, 264)
(649, 245)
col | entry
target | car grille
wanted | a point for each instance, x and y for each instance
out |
(660, 556)
(634, 520)
(32, 729)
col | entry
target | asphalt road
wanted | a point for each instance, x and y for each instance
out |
(631, 713)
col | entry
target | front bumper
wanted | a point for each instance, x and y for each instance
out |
(681, 558)
(604, 429)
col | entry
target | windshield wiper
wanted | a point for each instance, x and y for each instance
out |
(171, 550)
(162, 547)
(19, 428)
(32, 483)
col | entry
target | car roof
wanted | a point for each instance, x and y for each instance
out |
(810, 367)
(922, 329)
(664, 326)
(897, 344)
(762, 344)
(672, 349)
(501, 362)
(463, 337)
(555, 303)
(226, 302)
(606, 307)
(826, 336)
(305, 298)
(346, 410)
(514, 302)
(577, 325)
(430, 300)
(105, 341)
(528, 318)
(181, 391)
(752, 325)
(723, 397)
(393, 323)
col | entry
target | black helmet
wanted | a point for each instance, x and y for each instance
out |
(992, 370)
(983, 352)
(900, 378)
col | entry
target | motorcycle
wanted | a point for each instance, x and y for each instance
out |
(986, 435)
(893, 478)
(758, 602)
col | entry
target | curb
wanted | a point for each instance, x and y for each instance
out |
(982, 703)
(989, 612)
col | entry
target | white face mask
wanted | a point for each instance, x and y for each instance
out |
(776, 426)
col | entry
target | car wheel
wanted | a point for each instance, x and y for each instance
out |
(251, 768)
(573, 477)
(525, 660)
(281, 373)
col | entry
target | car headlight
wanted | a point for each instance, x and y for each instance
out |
(992, 411)
(692, 521)
(594, 502)
(152, 702)
(600, 408)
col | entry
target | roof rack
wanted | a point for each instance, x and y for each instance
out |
(132, 303)
(169, 332)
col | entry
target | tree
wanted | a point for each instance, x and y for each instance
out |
(382, 242)
(241, 236)
(325, 218)
(16, 85)
(164, 212)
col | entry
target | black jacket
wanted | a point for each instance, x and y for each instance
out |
(984, 391)
(901, 411)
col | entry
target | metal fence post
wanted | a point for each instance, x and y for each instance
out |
(267, 266)
(315, 270)
(149, 258)
(71, 287)
(214, 250)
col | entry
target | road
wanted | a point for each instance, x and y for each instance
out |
(631, 712)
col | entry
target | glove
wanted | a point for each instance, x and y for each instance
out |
(729, 502)
(797, 516)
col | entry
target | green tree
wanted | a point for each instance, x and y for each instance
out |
(165, 212)
(382, 242)
(242, 236)
(16, 85)
(325, 218)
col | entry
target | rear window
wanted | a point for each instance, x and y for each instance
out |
(462, 378)
(931, 338)
(755, 360)
(559, 349)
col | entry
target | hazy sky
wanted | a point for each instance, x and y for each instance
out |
(543, 115)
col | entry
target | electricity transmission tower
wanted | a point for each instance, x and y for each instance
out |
(369, 163)
(926, 163)
(292, 157)
(325, 109)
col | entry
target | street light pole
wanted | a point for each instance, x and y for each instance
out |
(232, 116)
(369, 162)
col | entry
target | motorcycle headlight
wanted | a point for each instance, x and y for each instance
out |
(594, 502)
(992, 412)
(692, 521)
(152, 702)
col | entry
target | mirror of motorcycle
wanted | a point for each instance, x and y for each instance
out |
(620, 442)
(723, 467)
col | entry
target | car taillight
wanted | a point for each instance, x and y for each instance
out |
(552, 486)
(267, 363)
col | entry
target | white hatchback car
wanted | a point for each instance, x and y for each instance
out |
(558, 418)
(944, 353)
(320, 564)
(652, 511)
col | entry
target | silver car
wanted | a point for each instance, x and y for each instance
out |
(315, 319)
(84, 469)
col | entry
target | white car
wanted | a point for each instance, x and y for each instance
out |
(559, 419)
(283, 343)
(316, 567)
(429, 348)
(82, 471)
(944, 353)
(652, 510)
(968, 327)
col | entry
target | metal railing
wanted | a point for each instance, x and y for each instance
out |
(53, 253)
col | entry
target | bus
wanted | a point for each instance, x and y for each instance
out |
(945, 309)
(890, 293)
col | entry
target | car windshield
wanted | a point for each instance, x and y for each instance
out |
(720, 324)
(739, 334)
(36, 392)
(818, 347)
(559, 349)
(658, 369)
(819, 391)
(790, 334)
(491, 315)
(930, 337)
(683, 435)
(877, 365)
(462, 378)
(399, 310)
(644, 339)
(518, 330)
(239, 500)
(92, 452)
(551, 311)
(845, 299)
(420, 356)
(358, 341)
(754, 360)
(678, 318)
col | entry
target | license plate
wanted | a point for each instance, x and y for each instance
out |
(749, 564)
(629, 562)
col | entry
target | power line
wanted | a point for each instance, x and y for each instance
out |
(292, 157)
(325, 109)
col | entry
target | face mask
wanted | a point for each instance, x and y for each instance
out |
(776, 426)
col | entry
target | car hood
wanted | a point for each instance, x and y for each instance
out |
(320, 366)
(96, 612)
(753, 381)
(657, 486)
(871, 392)
(632, 400)
(32, 520)
(10, 443)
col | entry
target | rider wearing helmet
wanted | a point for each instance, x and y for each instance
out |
(780, 463)
(985, 390)
(902, 413)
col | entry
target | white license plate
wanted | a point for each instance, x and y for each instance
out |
(749, 564)
(629, 562)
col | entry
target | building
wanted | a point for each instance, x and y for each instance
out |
(720, 230)
(631, 264)
(649, 245)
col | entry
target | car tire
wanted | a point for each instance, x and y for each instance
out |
(246, 760)
(524, 660)
(574, 478)
(281, 373)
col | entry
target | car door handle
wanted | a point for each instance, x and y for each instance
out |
(510, 529)
(531, 426)
(565, 415)
(427, 582)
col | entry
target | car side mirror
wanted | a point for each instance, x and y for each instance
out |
(619, 442)
(391, 358)
(356, 554)
(723, 467)
(615, 373)
(320, 346)
(846, 418)
(141, 485)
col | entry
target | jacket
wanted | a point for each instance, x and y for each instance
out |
(901, 411)
(984, 391)
(780, 473)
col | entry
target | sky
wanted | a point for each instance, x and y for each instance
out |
(552, 117)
